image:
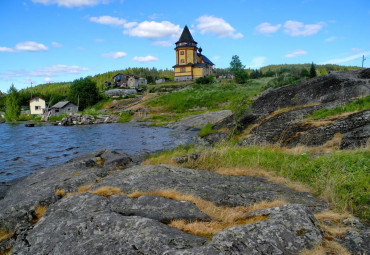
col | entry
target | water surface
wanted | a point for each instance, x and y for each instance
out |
(24, 150)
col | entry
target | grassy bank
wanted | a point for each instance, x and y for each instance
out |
(341, 178)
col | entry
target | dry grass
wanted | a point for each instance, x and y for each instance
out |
(83, 189)
(335, 231)
(317, 123)
(39, 212)
(222, 216)
(332, 216)
(100, 161)
(327, 247)
(4, 234)
(60, 192)
(7, 251)
(107, 191)
(208, 229)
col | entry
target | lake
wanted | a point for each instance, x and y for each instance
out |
(24, 150)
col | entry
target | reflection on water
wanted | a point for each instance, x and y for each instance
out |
(24, 150)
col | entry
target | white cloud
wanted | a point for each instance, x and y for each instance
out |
(296, 53)
(6, 49)
(48, 79)
(354, 50)
(108, 20)
(257, 62)
(346, 59)
(71, 3)
(331, 39)
(267, 28)
(56, 45)
(296, 28)
(216, 26)
(25, 46)
(163, 43)
(99, 40)
(55, 70)
(115, 55)
(152, 29)
(146, 59)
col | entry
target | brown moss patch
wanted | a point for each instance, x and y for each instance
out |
(107, 191)
(7, 251)
(60, 193)
(325, 248)
(38, 213)
(4, 234)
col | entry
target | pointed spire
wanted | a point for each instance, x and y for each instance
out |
(186, 35)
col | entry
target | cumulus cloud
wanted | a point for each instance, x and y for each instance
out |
(296, 53)
(152, 29)
(25, 46)
(115, 55)
(267, 28)
(48, 79)
(146, 59)
(257, 62)
(296, 28)
(216, 26)
(346, 59)
(72, 3)
(56, 45)
(108, 20)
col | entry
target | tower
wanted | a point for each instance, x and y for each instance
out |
(190, 64)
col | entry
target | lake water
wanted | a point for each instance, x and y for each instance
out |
(24, 150)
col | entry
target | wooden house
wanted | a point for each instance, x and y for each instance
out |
(62, 107)
(127, 81)
(120, 80)
(37, 105)
(190, 63)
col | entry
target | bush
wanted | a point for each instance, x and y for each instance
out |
(84, 92)
(57, 118)
(205, 80)
(125, 117)
(206, 130)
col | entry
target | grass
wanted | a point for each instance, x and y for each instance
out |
(39, 212)
(211, 96)
(341, 177)
(354, 106)
(222, 216)
(326, 247)
(125, 117)
(4, 234)
(206, 130)
(57, 118)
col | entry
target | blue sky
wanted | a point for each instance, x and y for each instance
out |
(61, 40)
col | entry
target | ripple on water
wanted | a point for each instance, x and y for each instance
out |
(25, 150)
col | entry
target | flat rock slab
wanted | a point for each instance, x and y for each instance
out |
(84, 224)
(219, 189)
(200, 120)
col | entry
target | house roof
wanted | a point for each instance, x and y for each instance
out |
(205, 59)
(61, 104)
(186, 36)
(118, 74)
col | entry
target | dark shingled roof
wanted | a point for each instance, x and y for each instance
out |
(60, 104)
(186, 36)
(205, 59)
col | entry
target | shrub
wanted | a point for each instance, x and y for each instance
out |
(125, 117)
(206, 130)
(205, 80)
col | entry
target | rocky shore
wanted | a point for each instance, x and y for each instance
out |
(80, 119)
(105, 202)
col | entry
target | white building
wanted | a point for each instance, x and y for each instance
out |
(37, 105)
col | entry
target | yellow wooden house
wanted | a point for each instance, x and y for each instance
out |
(190, 63)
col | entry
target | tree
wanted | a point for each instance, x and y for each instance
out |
(13, 109)
(313, 71)
(83, 92)
(238, 70)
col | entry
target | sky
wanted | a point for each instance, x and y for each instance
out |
(45, 41)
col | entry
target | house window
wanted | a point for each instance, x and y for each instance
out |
(182, 61)
(182, 52)
(56, 110)
(37, 108)
(182, 69)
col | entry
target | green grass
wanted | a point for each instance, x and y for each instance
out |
(125, 117)
(206, 130)
(29, 117)
(57, 118)
(357, 105)
(211, 96)
(342, 177)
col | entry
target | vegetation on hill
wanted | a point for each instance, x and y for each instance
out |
(357, 105)
(84, 93)
(13, 108)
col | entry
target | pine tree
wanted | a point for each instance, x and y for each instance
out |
(313, 71)
(13, 109)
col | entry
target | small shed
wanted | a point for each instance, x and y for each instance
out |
(37, 105)
(63, 107)
(120, 80)
(133, 81)
(161, 80)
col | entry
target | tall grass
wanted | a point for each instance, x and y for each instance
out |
(342, 177)
(357, 105)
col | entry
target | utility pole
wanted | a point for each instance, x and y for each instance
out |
(363, 60)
